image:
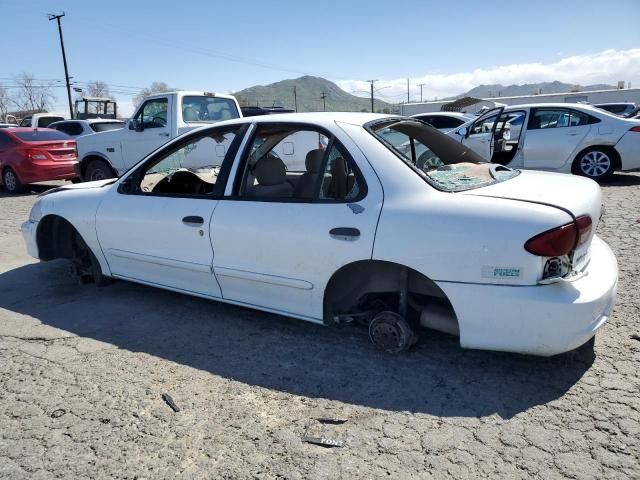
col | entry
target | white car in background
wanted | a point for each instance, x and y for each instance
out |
(507, 260)
(561, 137)
(80, 128)
(444, 121)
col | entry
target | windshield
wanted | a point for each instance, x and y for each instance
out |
(42, 135)
(202, 109)
(442, 161)
(104, 126)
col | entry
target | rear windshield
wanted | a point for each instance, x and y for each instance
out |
(202, 109)
(42, 135)
(104, 126)
(440, 160)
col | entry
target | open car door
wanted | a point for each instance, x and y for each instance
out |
(480, 135)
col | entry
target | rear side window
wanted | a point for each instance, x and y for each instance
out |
(559, 118)
(40, 135)
(208, 109)
(70, 128)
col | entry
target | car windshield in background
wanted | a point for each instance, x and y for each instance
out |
(443, 162)
(104, 126)
(42, 136)
(208, 109)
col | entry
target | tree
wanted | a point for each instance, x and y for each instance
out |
(98, 88)
(155, 87)
(31, 95)
(4, 104)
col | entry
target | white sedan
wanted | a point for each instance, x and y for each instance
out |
(505, 259)
(563, 137)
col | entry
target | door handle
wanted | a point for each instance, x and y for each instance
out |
(193, 221)
(345, 233)
(165, 134)
(573, 134)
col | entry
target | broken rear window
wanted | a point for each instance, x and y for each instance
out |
(440, 160)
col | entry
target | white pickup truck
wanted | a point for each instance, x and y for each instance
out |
(158, 119)
(42, 120)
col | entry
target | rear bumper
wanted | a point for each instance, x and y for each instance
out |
(43, 171)
(629, 150)
(542, 319)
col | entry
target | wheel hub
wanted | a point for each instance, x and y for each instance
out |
(10, 181)
(595, 164)
(385, 335)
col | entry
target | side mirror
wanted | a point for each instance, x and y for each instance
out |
(463, 132)
(135, 125)
(127, 185)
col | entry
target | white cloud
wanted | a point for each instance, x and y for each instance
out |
(608, 66)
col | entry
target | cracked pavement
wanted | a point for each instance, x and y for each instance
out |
(83, 370)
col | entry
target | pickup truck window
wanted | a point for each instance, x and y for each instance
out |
(202, 109)
(153, 113)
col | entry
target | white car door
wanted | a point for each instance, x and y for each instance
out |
(147, 130)
(553, 137)
(276, 246)
(155, 227)
(480, 135)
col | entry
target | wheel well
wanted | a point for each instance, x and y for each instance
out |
(366, 279)
(90, 158)
(55, 238)
(617, 163)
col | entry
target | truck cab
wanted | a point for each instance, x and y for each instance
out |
(158, 119)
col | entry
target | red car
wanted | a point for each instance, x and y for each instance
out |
(30, 155)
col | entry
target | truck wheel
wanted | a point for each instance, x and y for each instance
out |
(98, 170)
(390, 332)
(596, 163)
(11, 181)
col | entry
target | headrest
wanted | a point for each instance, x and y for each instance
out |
(270, 170)
(190, 114)
(313, 161)
(338, 166)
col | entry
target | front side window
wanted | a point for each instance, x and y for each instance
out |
(485, 125)
(206, 109)
(153, 113)
(191, 170)
(298, 164)
(443, 162)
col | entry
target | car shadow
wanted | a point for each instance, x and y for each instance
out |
(621, 180)
(437, 377)
(31, 189)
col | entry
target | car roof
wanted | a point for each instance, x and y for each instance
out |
(584, 106)
(446, 114)
(319, 118)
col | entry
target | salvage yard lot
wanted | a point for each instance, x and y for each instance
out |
(83, 370)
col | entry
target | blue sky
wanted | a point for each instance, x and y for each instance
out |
(225, 46)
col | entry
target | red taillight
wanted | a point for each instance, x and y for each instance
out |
(635, 129)
(561, 240)
(36, 155)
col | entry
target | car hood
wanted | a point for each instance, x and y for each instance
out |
(80, 186)
(581, 196)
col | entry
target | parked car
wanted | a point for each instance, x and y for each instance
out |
(41, 120)
(158, 119)
(8, 125)
(567, 138)
(506, 259)
(444, 121)
(617, 108)
(30, 155)
(80, 128)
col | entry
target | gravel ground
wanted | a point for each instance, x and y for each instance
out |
(82, 371)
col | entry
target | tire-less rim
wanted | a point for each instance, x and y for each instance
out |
(10, 180)
(595, 164)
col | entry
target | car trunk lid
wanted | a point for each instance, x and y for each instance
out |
(60, 150)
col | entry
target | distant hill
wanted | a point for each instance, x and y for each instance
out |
(309, 90)
(498, 90)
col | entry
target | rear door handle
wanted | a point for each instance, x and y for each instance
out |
(344, 233)
(193, 221)
(163, 134)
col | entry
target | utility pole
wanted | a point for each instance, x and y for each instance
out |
(408, 101)
(421, 85)
(295, 98)
(372, 82)
(324, 103)
(64, 59)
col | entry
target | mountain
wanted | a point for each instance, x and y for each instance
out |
(309, 90)
(498, 90)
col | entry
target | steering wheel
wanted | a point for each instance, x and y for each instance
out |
(159, 121)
